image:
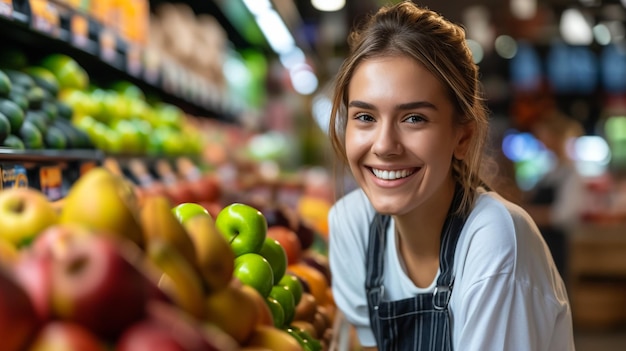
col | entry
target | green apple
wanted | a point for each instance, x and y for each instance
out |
(286, 300)
(275, 254)
(244, 227)
(24, 213)
(187, 210)
(294, 285)
(254, 270)
(277, 311)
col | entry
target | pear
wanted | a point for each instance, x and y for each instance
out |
(216, 258)
(102, 201)
(159, 222)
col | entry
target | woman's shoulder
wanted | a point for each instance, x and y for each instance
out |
(501, 238)
(493, 210)
(354, 204)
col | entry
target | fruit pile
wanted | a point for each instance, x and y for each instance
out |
(31, 115)
(53, 104)
(102, 271)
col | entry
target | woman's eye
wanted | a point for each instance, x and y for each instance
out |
(364, 117)
(415, 119)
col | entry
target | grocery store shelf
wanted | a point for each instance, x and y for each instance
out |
(167, 80)
(49, 156)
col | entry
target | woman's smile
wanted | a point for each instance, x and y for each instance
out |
(392, 174)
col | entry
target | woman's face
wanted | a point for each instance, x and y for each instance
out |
(400, 135)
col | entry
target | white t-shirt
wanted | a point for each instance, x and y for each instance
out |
(507, 292)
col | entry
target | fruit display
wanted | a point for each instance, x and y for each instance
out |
(54, 104)
(109, 269)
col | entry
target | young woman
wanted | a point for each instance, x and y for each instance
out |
(423, 255)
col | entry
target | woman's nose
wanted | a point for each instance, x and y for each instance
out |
(386, 142)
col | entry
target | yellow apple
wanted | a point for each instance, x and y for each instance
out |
(24, 213)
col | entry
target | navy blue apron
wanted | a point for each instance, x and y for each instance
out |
(421, 322)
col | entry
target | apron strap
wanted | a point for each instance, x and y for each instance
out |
(375, 257)
(452, 230)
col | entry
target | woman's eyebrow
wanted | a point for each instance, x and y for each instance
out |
(405, 106)
(416, 105)
(361, 104)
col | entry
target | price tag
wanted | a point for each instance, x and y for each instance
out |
(151, 65)
(6, 8)
(14, 176)
(107, 45)
(79, 27)
(51, 182)
(45, 17)
(86, 167)
(133, 60)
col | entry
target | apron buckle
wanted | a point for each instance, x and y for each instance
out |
(376, 294)
(441, 290)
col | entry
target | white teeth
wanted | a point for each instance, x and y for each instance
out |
(391, 175)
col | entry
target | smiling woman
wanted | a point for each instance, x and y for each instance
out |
(442, 262)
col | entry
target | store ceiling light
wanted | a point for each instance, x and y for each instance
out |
(292, 58)
(523, 9)
(303, 79)
(328, 5)
(275, 31)
(506, 46)
(257, 7)
(575, 28)
(284, 45)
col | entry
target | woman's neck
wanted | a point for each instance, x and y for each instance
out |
(419, 231)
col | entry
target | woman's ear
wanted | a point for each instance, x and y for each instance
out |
(464, 137)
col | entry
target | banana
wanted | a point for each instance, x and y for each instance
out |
(179, 279)
(216, 258)
(158, 222)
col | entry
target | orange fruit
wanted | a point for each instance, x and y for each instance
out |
(318, 285)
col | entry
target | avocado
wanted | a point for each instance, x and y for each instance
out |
(43, 78)
(39, 119)
(20, 99)
(20, 79)
(31, 136)
(13, 112)
(5, 127)
(36, 96)
(77, 138)
(5, 84)
(64, 110)
(13, 142)
(55, 139)
(50, 109)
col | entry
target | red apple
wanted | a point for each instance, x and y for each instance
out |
(18, 319)
(189, 332)
(168, 328)
(206, 188)
(34, 274)
(148, 336)
(66, 336)
(96, 283)
(181, 192)
(288, 239)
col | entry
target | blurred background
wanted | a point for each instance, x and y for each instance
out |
(252, 79)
